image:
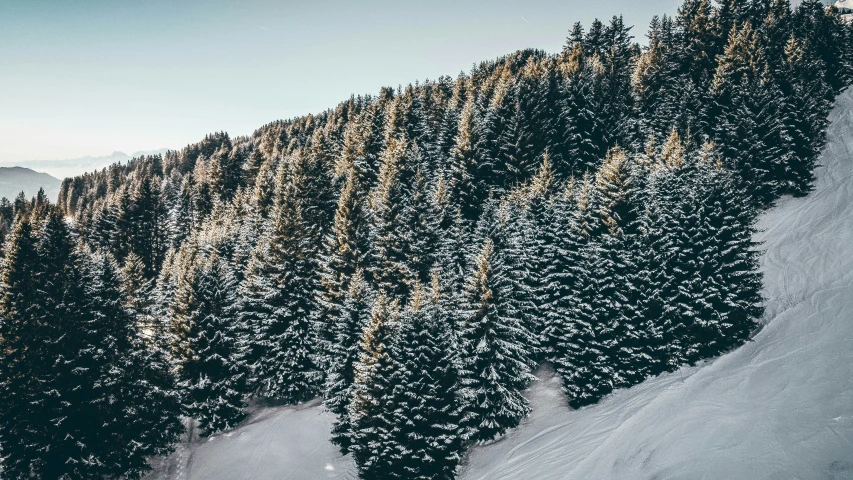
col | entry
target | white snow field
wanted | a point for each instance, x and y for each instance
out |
(779, 407)
(278, 443)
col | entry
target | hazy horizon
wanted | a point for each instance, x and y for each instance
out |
(93, 77)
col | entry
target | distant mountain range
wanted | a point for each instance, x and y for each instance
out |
(77, 166)
(14, 180)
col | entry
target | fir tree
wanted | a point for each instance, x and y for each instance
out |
(370, 385)
(212, 375)
(497, 349)
(420, 437)
(388, 233)
(133, 411)
(20, 365)
(279, 308)
(346, 334)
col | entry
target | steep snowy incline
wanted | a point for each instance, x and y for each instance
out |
(781, 406)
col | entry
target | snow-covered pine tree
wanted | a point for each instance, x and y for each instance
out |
(532, 226)
(575, 343)
(554, 284)
(452, 231)
(749, 131)
(583, 134)
(422, 438)
(670, 209)
(347, 248)
(346, 334)
(611, 276)
(807, 106)
(466, 188)
(139, 293)
(418, 216)
(213, 374)
(21, 364)
(64, 379)
(498, 349)
(726, 298)
(278, 306)
(389, 235)
(145, 222)
(370, 386)
(134, 409)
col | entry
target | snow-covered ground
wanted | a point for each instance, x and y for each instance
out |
(781, 406)
(279, 443)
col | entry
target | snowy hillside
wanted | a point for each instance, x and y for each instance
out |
(779, 407)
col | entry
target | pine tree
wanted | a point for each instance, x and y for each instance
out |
(212, 375)
(749, 131)
(497, 346)
(465, 186)
(139, 292)
(145, 223)
(65, 375)
(346, 334)
(420, 437)
(278, 307)
(346, 251)
(370, 385)
(388, 262)
(133, 410)
(20, 362)
(420, 216)
(583, 133)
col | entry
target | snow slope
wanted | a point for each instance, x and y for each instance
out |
(778, 407)
(781, 406)
(279, 443)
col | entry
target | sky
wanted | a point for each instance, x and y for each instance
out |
(89, 77)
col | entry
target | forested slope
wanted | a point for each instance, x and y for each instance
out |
(413, 257)
(781, 406)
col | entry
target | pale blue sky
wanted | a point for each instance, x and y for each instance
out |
(88, 77)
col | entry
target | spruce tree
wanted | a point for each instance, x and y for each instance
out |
(134, 408)
(497, 347)
(212, 376)
(346, 333)
(346, 251)
(278, 306)
(20, 362)
(367, 413)
(388, 263)
(420, 437)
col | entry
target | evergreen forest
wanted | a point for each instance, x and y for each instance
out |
(414, 256)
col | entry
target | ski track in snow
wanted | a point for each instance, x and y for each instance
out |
(780, 406)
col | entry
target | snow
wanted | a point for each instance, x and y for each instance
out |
(781, 406)
(274, 444)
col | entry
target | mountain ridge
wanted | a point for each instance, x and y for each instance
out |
(15, 179)
(71, 167)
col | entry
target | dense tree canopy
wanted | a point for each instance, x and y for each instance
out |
(413, 256)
